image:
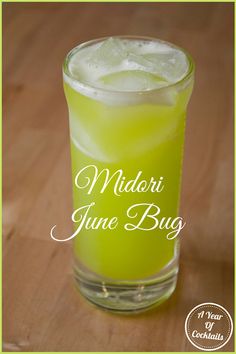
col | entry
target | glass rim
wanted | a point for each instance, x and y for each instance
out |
(83, 85)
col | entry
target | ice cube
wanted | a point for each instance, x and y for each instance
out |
(172, 65)
(110, 53)
(132, 80)
(138, 62)
(84, 140)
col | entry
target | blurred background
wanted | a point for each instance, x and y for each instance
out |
(41, 309)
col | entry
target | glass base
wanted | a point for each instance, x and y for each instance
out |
(127, 297)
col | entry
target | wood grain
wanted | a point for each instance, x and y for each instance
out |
(41, 309)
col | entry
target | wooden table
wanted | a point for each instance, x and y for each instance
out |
(42, 311)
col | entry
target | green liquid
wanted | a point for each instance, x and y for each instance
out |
(146, 137)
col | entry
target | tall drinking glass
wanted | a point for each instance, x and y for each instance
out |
(127, 100)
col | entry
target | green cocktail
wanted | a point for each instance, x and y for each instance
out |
(127, 100)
